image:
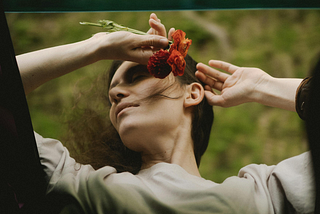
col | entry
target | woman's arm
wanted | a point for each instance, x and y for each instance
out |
(41, 66)
(243, 85)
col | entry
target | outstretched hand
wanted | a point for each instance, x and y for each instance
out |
(237, 86)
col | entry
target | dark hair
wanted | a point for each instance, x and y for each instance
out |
(202, 114)
(94, 140)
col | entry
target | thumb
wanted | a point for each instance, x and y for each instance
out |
(151, 40)
(214, 99)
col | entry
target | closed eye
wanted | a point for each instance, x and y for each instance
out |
(137, 77)
(139, 73)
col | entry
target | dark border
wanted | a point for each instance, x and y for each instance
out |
(22, 179)
(150, 5)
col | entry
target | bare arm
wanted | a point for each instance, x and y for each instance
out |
(41, 66)
(240, 85)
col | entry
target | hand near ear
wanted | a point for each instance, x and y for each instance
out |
(241, 85)
(235, 88)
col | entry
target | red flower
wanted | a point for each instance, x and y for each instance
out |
(180, 42)
(177, 63)
(157, 64)
(162, 62)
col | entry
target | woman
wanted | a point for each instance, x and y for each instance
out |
(157, 120)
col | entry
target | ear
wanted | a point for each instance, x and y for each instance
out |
(194, 94)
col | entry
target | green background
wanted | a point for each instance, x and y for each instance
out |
(284, 43)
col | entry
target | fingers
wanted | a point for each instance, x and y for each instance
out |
(213, 99)
(142, 47)
(208, 88)
(213, 73)
(210, 82)
(154, 16)
(149, 40)
(157, 27)
(171, 31)
(228, 67)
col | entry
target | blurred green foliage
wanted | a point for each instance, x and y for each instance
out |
(284, 43)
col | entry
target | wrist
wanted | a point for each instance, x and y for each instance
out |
(102, 47)
(261, 90)
(278, 92)
(93, 47)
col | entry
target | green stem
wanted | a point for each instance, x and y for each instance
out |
(111, 26)
(91, 24)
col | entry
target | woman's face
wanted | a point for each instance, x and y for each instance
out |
(139, 118)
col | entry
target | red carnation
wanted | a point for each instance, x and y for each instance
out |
(177, 63)
(180, 43)
(157, 64)
(162, 62)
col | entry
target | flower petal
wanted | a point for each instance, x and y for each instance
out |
(157, 64)
(177, 63)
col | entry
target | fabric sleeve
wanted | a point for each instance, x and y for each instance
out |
(290, 185)
(52, 154)
(57, 163)
(67, 177)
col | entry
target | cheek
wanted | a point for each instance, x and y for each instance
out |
(163, 114)
(112, 116)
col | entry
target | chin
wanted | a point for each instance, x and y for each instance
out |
(130, 131)
(131, 140)
(134, 132)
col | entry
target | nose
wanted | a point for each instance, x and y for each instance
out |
(117, 93)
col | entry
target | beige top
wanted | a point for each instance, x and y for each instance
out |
(168, 188)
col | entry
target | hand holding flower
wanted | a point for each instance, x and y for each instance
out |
(158, 63)
(127, 46)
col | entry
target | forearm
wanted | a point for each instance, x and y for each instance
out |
(38, 67)
(278, 92)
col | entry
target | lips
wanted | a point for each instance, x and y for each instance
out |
(122, 106)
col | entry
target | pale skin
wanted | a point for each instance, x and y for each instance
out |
(160, 129)
(238, 85)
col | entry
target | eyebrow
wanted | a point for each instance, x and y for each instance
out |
(114, 84)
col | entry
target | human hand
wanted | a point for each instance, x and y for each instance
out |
(157, 28)
(127, 46)
(237, 87)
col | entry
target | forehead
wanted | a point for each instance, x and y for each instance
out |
(121, 71)
(124, 67)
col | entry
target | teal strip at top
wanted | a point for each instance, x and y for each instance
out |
(150, 5)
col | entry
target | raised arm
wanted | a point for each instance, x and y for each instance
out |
(38, 67)
(241, 85)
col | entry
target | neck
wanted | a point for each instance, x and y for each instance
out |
(181, 154)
